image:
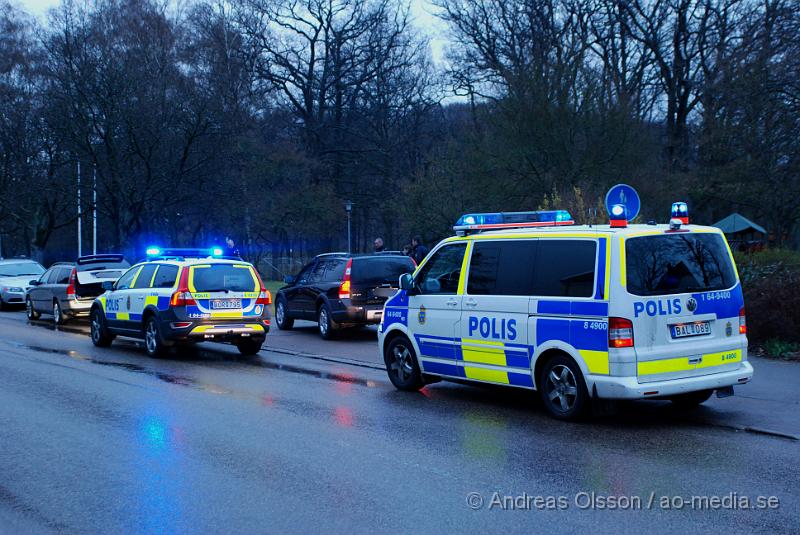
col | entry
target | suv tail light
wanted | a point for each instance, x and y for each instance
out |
(344, 287)
(264, 296)
(182, 297)
(620, 332)
(73, 276)
(742, 322)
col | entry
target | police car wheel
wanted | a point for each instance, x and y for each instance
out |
(58, 315)
(29, 310)
(249, 348)
(562, 388)
(327, 327)
(100, 335)
(152, 339)
(691, 399)
(282, 316)
(402, 366)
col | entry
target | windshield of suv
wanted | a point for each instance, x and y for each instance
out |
(20, 269)
(209, 278)
(380, 270)
(678, 263)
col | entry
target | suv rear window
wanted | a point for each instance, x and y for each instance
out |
(678, 263)
(380, 270)
(221, 277)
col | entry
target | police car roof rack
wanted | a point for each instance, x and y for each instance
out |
(473, 223)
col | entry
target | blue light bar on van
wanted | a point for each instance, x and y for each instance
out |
(501, 220)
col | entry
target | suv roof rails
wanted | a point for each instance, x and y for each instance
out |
(110, 257)
(339, 253)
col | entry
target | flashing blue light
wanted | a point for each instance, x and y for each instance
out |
(217, 251)
(153, 251)
(514, 218)
(680, 209)
(618, 211)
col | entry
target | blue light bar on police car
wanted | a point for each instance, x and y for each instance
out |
(179, 253)
(680, 210)
(153, 251)
(217, 251)
(501, 220)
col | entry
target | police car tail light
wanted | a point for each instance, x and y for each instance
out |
(618, 216)
(680, 211)
(264, 296)
(182, 297)
(620, 332)
(344, 287)
(742, 322)
(71, 286)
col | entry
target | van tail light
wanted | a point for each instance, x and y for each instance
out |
(182, 297)
(73, 276)
(344, 287)
(264, 295)
(620, 332)
(742, 322)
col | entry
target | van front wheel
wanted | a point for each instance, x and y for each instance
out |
(563, 389)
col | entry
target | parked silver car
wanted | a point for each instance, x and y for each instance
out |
(15, 277)
(67, 290)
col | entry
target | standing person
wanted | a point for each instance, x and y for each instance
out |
(230, 247)
(418, 250)
(379, 246)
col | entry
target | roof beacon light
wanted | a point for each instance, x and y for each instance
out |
(153, 251)
(680, 211)
(217, 251)
(618, 216)
(468, 223)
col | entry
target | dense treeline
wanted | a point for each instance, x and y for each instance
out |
(258, 119)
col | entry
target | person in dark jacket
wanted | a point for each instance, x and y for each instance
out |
(379, 246)
(418, 250)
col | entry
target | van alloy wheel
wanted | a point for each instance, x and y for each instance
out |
(561, 387)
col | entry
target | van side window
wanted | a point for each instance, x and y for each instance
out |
(564, 268)
(501, 268)
(441, 272)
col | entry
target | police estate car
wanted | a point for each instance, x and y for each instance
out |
(181, 297)
(576, 312)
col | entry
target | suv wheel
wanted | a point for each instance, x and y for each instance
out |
(563, 389)
(100, 335)
(58, 315)
(152, 339)
(249, 347)
(327, 327)
(282, 316)
(402, 366)
(29, 310)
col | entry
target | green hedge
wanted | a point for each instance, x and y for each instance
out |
(771, 283)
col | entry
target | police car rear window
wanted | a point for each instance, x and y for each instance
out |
(678, 263)
(223, 277)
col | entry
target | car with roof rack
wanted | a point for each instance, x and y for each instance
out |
(180, 297)
(68, 289)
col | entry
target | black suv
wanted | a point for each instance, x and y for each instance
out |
(341, 290)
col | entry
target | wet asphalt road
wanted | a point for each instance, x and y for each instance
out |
(109, 441)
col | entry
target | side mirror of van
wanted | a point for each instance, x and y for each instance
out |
(406, 282)
(107, 286)
(288, 279)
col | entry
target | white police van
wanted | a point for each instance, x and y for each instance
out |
(527, 299)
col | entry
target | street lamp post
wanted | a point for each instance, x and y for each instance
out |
(348, 207)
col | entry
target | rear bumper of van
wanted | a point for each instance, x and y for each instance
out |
(630, 388)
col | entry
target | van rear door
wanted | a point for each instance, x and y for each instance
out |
(686, 299)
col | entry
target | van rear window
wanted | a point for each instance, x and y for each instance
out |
(678, 263)
(222, 277)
